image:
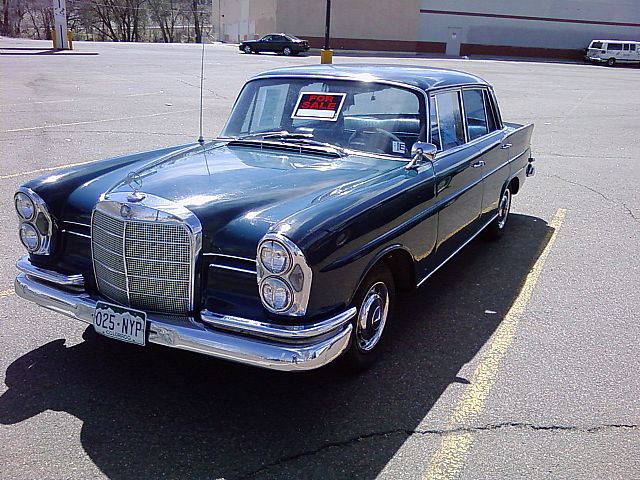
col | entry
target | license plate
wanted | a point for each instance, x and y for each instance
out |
(120, 323)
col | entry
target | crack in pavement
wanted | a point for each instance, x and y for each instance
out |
(441, 433)
(627, 210)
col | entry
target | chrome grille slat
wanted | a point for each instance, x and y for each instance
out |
(143, 264)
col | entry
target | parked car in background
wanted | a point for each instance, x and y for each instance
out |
(284, 242)
(275, 42)
(613, 51)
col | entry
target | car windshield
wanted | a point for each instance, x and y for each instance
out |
(357, 115)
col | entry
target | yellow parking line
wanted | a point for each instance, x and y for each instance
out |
(6, 293)
(41, 170)
(448, 462)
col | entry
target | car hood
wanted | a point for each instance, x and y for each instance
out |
(238, 192)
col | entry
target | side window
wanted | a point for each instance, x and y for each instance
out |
(625, 47)
(475, 113)
(633, 47)
(433, 124)
(450, 126)
(492, 119)
(614, 46)
(267, 38)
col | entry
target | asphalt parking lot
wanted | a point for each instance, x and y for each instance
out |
(519, 359)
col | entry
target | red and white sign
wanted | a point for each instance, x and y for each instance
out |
(319, 105)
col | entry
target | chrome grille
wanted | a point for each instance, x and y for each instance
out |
(143, 264)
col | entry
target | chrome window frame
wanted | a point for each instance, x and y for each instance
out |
(421, 93)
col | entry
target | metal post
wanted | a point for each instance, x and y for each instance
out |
(61, 40)
(326, 54)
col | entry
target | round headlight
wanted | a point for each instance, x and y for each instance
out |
(24, 206)
(275, 257)
(29, 237)
(276, 294)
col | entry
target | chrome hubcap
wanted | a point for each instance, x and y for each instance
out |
(372, 316)
(503, 208)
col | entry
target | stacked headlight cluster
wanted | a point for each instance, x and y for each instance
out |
(284, 278)
(34, 222)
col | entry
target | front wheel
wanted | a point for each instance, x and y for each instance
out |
(496, 228)
(286, 51)
(247, 49)
(374, 301)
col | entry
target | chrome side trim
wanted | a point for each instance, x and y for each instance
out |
(246, 259)
(186, 334)
(233, 269)
(245, 325)
(71, 232)
(77, 223)
(457, 250)
(25, 266)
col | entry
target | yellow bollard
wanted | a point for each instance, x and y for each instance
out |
(326, 56)
(53, 37)
(70, 39)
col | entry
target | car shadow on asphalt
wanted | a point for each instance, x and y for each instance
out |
(157, 412)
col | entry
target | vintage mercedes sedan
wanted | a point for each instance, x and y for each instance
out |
(282, 243)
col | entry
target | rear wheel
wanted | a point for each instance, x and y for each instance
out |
(495, 230)
(247, 49)
(374, 301)
(611, 62)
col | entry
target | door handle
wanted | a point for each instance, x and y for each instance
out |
(478, 164)
(505, 146)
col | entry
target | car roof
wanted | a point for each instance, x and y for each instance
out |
(425, 78)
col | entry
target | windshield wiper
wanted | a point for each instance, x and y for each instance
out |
(286, 136)
(273, 134)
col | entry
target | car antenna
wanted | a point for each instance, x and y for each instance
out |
(201, 137)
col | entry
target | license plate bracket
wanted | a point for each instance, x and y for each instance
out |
(120, 323)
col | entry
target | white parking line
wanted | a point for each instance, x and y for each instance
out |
(169, 112)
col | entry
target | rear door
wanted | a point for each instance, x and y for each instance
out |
(458, 173)
(485, 133)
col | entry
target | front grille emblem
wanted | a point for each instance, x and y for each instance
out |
(125, 211)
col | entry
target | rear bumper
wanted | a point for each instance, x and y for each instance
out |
(237, 339)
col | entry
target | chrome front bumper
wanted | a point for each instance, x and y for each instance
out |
(277, 347)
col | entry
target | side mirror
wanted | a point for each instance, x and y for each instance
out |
(421, 151)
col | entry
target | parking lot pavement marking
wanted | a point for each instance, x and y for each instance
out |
(68, 100)
(89, 122)
(449, 460)
(6, 293)
(41, 170)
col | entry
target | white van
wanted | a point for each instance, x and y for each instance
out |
(613, 51)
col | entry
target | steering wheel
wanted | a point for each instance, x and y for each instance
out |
(374, 139)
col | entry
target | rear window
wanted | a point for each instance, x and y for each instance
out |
(614, 46)
(597, 45)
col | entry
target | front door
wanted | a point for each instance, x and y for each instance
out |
(458, 174)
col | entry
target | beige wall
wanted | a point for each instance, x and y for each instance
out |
(352, 19)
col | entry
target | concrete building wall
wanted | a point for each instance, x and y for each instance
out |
(559, 28)
(358, 24)
(547, 28)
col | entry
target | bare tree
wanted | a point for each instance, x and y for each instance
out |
(166, 14)
(118, 20)
(12, 14)
(200, 15)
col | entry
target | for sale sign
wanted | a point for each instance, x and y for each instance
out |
(319, 105)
